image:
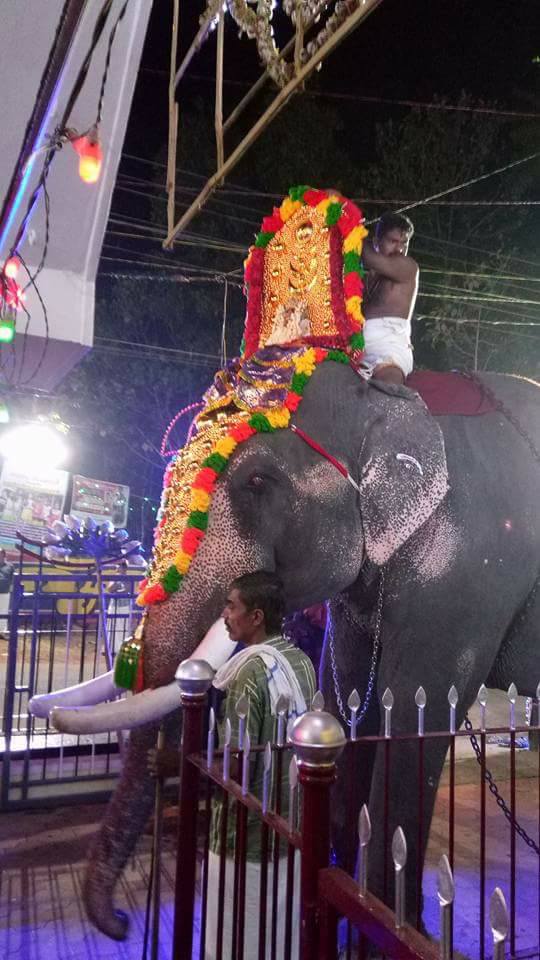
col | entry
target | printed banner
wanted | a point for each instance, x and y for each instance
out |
(30, 502)
(100, 499)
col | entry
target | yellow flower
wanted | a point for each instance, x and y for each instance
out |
(354, 308)
(288, 207)
(140, 601)
(225, 446)
(200, 500)
(306, 362)
(353, 241)
(278, 418)
(322, 207)
(182, 561)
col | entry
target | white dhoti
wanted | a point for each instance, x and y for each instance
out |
(251, 926)
(388, 342)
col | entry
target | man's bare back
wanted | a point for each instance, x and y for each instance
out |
(391, 289)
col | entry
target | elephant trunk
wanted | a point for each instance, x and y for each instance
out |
(127, 815)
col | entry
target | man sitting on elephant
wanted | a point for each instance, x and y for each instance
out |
(267, 668)
(391, 288)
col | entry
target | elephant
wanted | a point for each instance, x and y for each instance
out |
(446, 508)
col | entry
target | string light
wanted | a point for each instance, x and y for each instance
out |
(88, 148)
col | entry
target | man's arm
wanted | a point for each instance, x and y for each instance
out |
(400, 269)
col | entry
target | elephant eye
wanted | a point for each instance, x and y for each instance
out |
(256, 482)
(410, 462)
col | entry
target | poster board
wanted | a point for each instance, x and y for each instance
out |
(30, 501)
(100, 499)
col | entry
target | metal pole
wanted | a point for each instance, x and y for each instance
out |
(156, 874)
(318, 740)
(173, 121)
(364, 7)
(194, 679)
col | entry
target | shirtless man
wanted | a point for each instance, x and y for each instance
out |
(391, 288)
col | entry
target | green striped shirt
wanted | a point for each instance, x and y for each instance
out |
(252, 680)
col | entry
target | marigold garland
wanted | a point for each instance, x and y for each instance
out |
(267, 421)
(346, 273)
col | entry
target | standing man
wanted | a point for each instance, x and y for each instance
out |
(265, 669)
(390, 295)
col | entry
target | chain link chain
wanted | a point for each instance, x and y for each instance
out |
(374, 657)
(488, 776)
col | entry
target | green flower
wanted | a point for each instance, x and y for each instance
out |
(333, 214)
(338, 356)
(297, 193)
(357, 341)
(259, 422)
(216, 462)
(351, 262)
(172, 580)
(298, 382)
(198, 519)
(263, 238)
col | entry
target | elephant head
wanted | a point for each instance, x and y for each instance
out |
(280, 505)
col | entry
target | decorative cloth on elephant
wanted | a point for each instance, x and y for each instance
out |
(303, 280)
(282, 680)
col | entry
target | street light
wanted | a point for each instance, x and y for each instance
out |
(34, 447)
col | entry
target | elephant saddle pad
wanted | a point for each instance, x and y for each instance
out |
(455, 394)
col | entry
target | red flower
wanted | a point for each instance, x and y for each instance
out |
(191, 538)
(351, 216)
(352, 285)
(155, 594)
(205, 479)
(242, 432)
(320, 354)
(143, 584)
(272, 224)
(313, 197)
(292, 401)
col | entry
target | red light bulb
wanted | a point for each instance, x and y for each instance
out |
(90, 154)
(11, 268)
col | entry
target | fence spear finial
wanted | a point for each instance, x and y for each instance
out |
(353, 704)
(482, 699)
(399, 856)
(445, 891)
(364, 837)
(388, 703)
(453, 698)
(498, 920)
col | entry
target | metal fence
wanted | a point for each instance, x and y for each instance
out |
(56, 639)
(337, 913)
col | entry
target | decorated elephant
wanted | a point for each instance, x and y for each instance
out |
(354, 493)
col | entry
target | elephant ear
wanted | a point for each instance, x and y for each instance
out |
(403, 473)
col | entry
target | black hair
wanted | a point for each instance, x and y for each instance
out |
(394, 221)
(263, 591)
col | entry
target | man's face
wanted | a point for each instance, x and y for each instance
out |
(394, 243)
(242, 624)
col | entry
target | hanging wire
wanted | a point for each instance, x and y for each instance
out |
(224, 325)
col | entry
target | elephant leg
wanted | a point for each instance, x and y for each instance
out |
(125, 819)
(518, 661)
(348, 636)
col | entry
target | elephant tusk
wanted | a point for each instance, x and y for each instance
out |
(82, 694)
(216, 646)
(146, 707)
(81, 709)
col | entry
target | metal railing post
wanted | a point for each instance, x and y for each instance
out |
(194, 679)
(317, 740)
